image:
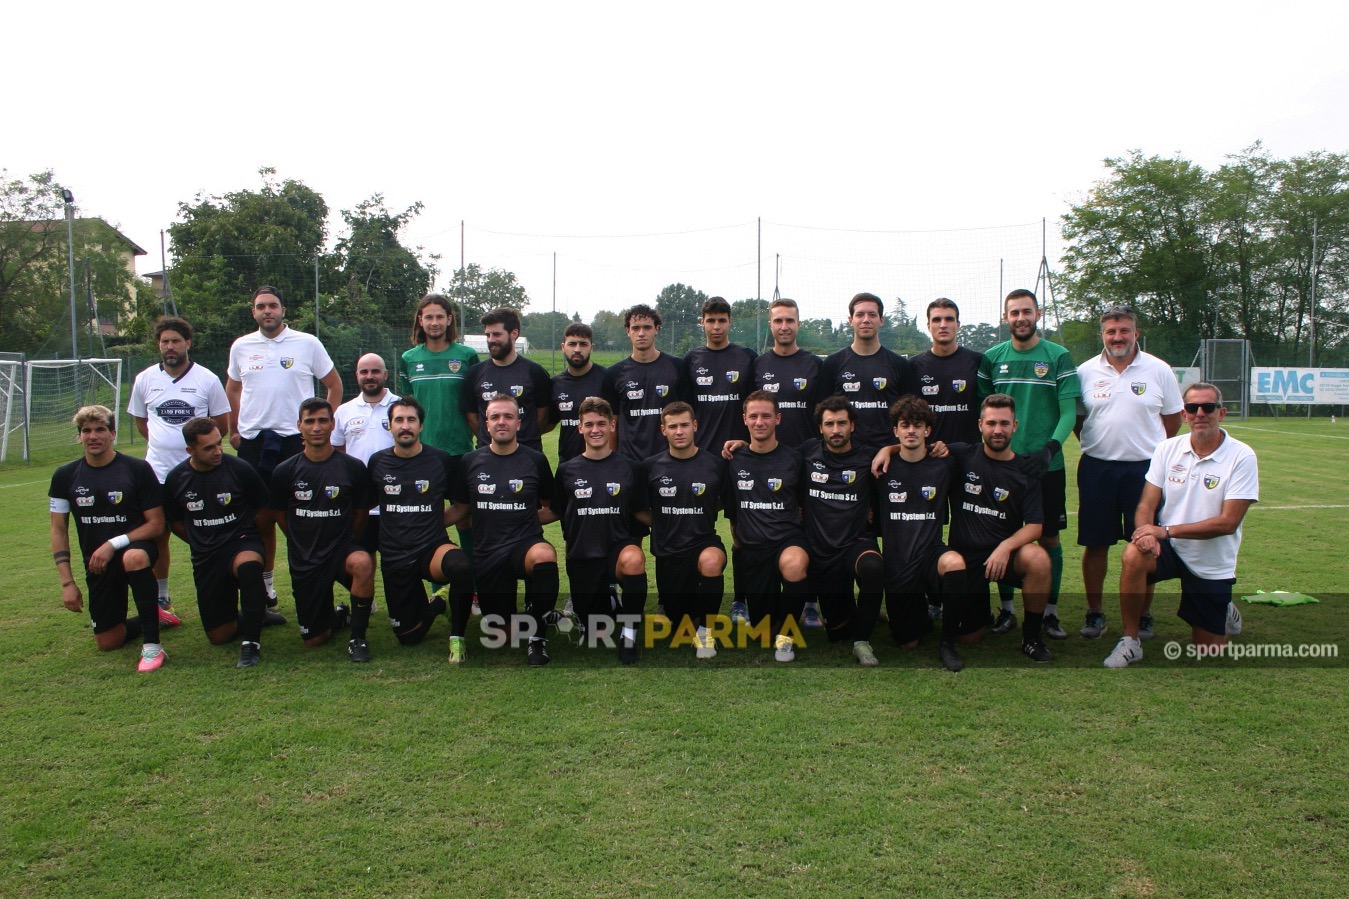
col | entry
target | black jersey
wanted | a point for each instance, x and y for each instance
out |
(319, 499)
(912, 497)
(523, 379)
(638, 391)
(504, 493)
(793, 381)
(106, 500)
(871, 384)
(218, 507)
(684, 496)
(990, 499)
(720, 380)
(761, 495)
(569, 391)
(595, 498)
(411, 495)
(948, 383)
(838, 498)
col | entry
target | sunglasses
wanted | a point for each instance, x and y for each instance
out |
(1208, 408)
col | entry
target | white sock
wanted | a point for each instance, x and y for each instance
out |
(163, 587)
(267, 582)
(630, 634)
(1052, 608)
(151, 648)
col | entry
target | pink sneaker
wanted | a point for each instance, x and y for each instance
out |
(168, 619)
(151, 659)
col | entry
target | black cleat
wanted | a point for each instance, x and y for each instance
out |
(538, 653)
(358, 650)
(1036, 652)
(1053, 629)
(272, 619)
(250, 654)
(1006, 621)
(341, 617)
(950, 659)
(627, 652)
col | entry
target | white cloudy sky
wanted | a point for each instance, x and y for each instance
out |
(883, 148)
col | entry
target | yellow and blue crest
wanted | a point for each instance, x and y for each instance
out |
(287, 361)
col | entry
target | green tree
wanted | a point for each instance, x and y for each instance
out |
(818, 335)
(609, 331)
(680, 307)
(900, 332)
(477, 291)
(979, 336)
(749, 323)
(544, 329)
(379, 278)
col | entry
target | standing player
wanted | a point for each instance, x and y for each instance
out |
(118, 515)
(641, 385)
(411, 481)
(507, 488)
(216, 503)
(595, 495)
(1042, 380)
(320, 497)
(762, 503)
(1130, 404)
(995, 520)
(870, 376)
(1199, 486)
(571, 386)
(948, 375)
(163, 399)
(683, 490)
(507, 372)
(839, 505)
(271, 372)
(722, 375)
(361, 428)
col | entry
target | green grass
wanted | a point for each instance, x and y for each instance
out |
(311, 776)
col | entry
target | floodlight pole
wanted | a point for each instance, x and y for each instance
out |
(69, 199)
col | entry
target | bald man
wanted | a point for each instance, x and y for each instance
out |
(361, 427)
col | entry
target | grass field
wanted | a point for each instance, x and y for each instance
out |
(312, 776)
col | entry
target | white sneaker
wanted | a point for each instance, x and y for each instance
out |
(1126, 652)
(1233, 620)
(784, 650)
(707, 645)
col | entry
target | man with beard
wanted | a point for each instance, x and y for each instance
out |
(320, 497)
(571, 386)
(640, 386)
(1130, 404)
(869, 376)
(361, 428)
(164, 398)
(1042, 380)
(508, 373)
(948, 375)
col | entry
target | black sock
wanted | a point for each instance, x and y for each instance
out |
(791, 603)
(133, 628)
(710, 590)
(1030, 628)
(145, 592)
(252, 601)
(541, 588)
(361, 606)
(954, 602)
(634, 593)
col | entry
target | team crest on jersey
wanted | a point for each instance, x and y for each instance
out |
(613, 488)
(1041, 369)
(517, 390)
(899, 497)
(849, 476)
(1211, 481)
(331, 492)
(84, 500)
(487, 488)
(516, 485)
(698, 488)
(583, 492)
(976, 489)
(1000, 494)
(819, 477)
(959, 385)
(454, 365)
(287, 361)
(799, 383)
(879, 383)
(224, 498)
(422, 486)
(196, 506)
(114, 496)
(775, 484)
(304, 496)
(662, 390)
(668, 491)
(1139, 388)
(385, 422)
(770, 388)
(732, 376)
(929, 493)
(393, 489)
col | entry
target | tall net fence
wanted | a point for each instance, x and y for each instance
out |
(40, 396)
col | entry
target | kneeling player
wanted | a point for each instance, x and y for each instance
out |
(118, 516)
(214, 503)
(320, 497)
(410, 481)
(595, 496)
(506, 490)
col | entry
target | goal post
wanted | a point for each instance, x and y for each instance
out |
(54, 389)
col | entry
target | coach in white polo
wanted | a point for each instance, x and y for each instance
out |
(361, 427)
(165, 397)
(1130, 403)
(271, 372)
(1199, 486)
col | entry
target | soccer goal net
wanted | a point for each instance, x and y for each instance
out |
(53, 390)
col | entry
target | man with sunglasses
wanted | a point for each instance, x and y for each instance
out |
(1130, 403)
(1203, 483)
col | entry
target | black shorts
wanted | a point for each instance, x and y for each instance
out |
(109, 591)
(1203, 603)
(836, 577)
(909, 591)
(1054, 501)
(497, 584)
(591, 577)
(1107, 497)
(268, 450)
(757, 569)
(677, 580)
(217, 587)
(368, 539)
(313, 591)
(975, 560)
(404, 592)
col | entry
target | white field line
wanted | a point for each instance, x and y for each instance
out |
(24, 484)
(1231, 427)
(1295, 508)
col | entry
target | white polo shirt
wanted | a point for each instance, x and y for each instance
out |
(167, 403)
(1194, 489)
(1124, 409)
(362, 428)
(278, 374)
